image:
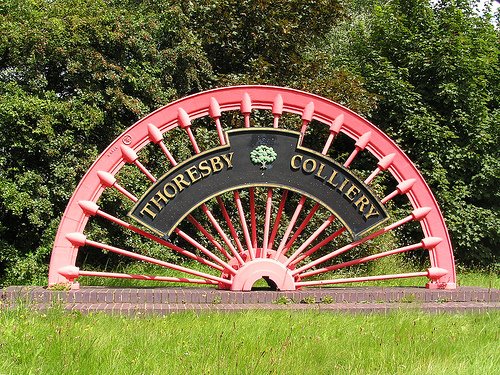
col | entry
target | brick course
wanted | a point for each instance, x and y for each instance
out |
(161, 301)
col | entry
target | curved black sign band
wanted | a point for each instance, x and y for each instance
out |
(282, 163)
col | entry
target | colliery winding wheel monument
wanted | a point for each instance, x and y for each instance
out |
(278, 196)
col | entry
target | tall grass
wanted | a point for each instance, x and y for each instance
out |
(255, 342)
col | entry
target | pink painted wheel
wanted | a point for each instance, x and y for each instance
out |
(260, 231)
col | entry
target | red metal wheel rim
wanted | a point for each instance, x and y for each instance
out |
(246, 99)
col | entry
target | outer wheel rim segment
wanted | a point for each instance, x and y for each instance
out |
(310, 107)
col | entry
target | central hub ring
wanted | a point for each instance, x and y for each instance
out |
(260, 268)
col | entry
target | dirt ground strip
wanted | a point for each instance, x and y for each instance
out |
(161, 301)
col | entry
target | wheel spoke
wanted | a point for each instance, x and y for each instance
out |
(253, 219)
(417, 214)
(234, 234)
(290, 226)
(221, 233)
(108, 180)
(244, 226)
(315, 248)
(311, 238)
(302, 226)
(116, 275)
(131, 157)
(267, 222)
(91, 209)
(207, 234)
(277, 110)
(215, 113)
(277, 220)
(246, 109)
(334, 130)
(361, 279)
(235, 250)
(426, 243)
(402, 188)
(359, 146)
(382, 165)
(78, 239)
(156, 137)
(307, 115)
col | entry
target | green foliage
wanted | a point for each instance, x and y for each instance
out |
(274, 43)
(435, 72)
(283, 300)
(408, 298)
(61, 287)
(327, 299)
(75, 73)
(260, 39)
(309, 300)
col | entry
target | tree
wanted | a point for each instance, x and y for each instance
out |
(263, 155)
(73, 75)
(435, 72)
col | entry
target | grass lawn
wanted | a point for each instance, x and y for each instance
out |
(255, 342)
